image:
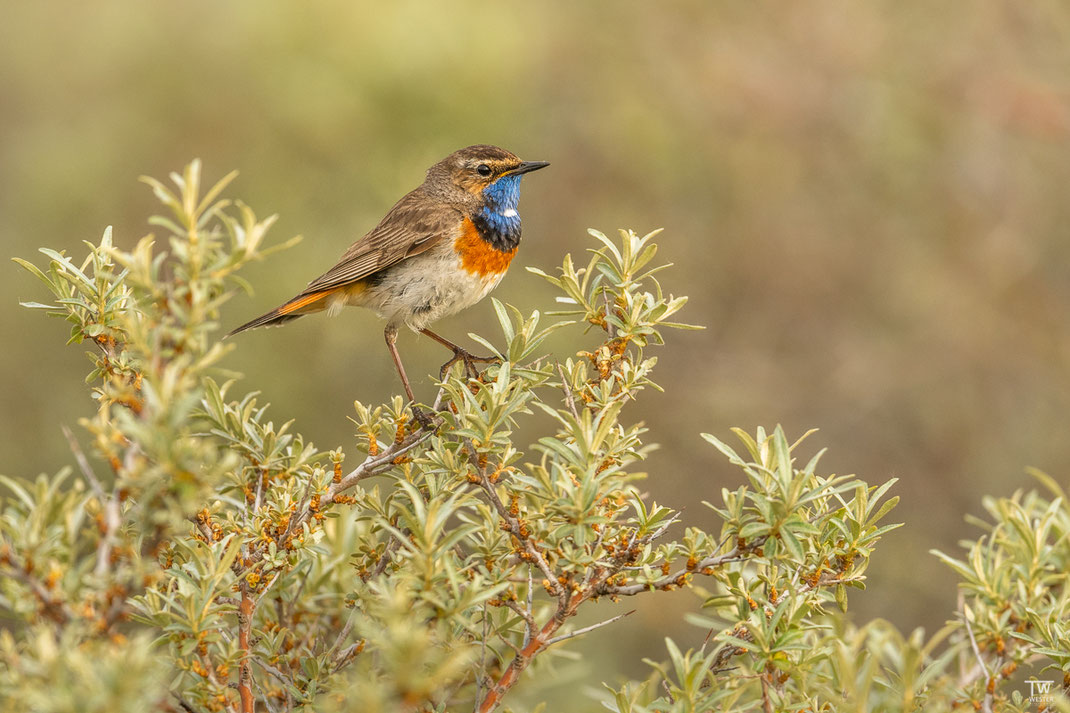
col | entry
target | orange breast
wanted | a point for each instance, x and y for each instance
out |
(477, 255)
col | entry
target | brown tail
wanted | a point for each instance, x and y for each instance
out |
(297, 307)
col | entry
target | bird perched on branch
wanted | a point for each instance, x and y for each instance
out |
(440, 249)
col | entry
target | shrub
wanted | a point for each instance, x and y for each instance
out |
(204, 557)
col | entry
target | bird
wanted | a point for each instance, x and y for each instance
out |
(441, 249)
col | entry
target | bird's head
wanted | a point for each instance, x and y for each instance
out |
(487, 172)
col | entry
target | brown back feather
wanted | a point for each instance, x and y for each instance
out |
(415, 224)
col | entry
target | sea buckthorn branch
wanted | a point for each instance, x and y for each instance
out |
(613, 381)
(266, 589)
(149, 335)
(246, 610)
(515, 527)
(594, 584)
(677, 579)
(245, 566)
(1013, 607)
(148, 315)
(111, 516)
(370, 466)
(51, 605)
(524, 656)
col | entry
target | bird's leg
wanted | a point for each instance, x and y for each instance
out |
(391, 335)
(459, 354)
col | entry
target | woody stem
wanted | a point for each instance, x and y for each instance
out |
(245, 675)
(525, 655)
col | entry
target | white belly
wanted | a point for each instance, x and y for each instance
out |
(424, 289)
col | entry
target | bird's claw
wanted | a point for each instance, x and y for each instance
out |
(426, 419)
(470, 361)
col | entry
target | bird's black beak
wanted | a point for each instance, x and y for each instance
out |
(527, 167)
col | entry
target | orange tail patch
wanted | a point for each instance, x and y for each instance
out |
(477, 255)
(296, 304)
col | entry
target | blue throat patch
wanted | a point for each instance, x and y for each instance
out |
(498, 221)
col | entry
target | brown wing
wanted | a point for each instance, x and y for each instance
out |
(413, 225)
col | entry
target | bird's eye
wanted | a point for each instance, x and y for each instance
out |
(484, 169)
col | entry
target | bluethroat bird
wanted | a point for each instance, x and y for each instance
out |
(440, 249)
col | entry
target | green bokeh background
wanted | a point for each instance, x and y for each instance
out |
(866, 202)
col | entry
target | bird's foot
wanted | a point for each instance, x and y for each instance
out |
(426, 419)
(469, 361)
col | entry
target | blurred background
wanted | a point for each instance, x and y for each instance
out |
(866, 202)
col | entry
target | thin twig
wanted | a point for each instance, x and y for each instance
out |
(264, 697)
(529, 620)
(183, 704)
(266, 587)
(610, 329)
(665, 528)
(530, 601)
(668, 691)
(727, 651)
(211, 673)
(482, 661)
(586, 629)
(516, 649)
(110, 505)
(987, 704)
(767, 702)
(973, 644)
(83, 463)
(343, 634)
(203, 529)
(386, 558)
(570, 400)
(374, 465)
(282, 677)
(346, 655)
(593, 570)
(259, 491)
(55, 608)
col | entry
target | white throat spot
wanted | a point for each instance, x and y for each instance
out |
(509, 213)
